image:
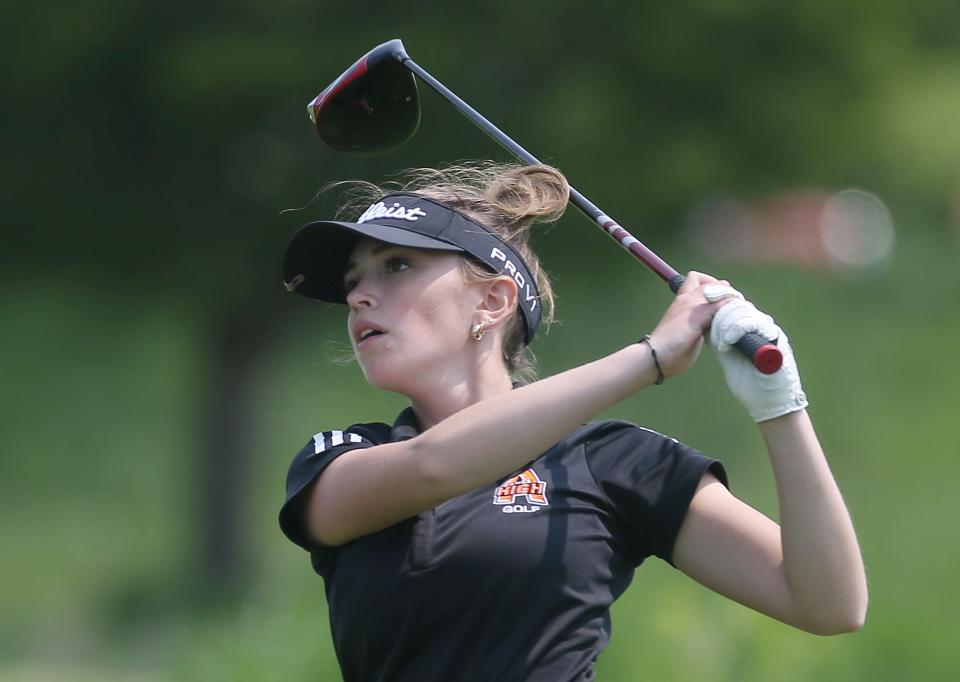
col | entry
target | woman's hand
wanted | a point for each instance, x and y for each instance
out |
(766, 396)
(679, 335)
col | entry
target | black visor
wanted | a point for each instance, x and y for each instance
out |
(317, 254)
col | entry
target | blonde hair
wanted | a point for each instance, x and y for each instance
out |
(508, 199)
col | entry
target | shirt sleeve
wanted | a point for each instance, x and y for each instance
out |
(649, 480)
(315, 456)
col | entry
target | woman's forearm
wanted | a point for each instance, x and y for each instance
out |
(821, 555)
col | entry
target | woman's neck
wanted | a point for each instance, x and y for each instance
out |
(456, 394)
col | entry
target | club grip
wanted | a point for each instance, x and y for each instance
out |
(764, 354)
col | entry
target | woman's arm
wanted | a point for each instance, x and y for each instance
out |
(370, 489)
(821, 554)
(807, 571)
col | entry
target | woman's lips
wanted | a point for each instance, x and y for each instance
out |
(369, 338)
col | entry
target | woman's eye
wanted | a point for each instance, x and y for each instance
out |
(391, 265)
(397, 264)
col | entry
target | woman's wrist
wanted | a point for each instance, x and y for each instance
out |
(643, 369)
(656, 361)
(786, 424)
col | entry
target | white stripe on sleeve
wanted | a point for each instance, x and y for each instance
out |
(320, 442)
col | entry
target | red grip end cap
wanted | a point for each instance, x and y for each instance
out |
(768, 359)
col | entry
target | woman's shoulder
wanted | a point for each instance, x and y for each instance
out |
(359, 435)
(325, 446)
(375, 433)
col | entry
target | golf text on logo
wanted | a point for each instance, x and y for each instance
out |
(517, 276)
(379, 210)
(526, 485)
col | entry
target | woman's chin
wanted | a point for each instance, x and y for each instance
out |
(387, 379)
(412, 374)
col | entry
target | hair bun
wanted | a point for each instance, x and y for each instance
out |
(525, 195)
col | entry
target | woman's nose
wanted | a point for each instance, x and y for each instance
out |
(360, 296)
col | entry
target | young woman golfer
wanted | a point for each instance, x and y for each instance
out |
(486, 532)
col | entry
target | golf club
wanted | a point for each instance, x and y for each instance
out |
(373, 107)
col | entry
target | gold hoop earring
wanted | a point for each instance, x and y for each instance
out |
(479, 329)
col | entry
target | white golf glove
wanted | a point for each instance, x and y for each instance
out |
(766, 396)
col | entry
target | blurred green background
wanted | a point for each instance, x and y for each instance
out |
(157, 378)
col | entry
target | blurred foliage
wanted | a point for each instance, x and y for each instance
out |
(153, 144)
(147, 149)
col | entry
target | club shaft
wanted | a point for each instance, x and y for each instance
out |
(765, 356)
(587, 207)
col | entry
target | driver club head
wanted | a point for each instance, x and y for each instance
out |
(372, 107)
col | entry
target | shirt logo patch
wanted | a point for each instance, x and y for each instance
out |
(524, 487)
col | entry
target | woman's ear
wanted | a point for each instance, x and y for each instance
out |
(498, 302)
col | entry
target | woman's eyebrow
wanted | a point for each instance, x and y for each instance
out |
(378, 249)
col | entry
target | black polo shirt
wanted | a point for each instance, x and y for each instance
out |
(511, 581)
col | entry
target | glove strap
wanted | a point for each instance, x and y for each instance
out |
(653, 352)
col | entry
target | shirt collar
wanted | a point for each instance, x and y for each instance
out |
(405, 427)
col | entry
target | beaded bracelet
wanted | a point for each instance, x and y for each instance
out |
(646, 340)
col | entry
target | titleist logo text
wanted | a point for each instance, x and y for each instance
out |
(379, 210)
(528, 296)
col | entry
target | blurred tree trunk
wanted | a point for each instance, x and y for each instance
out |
(239, 342)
